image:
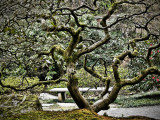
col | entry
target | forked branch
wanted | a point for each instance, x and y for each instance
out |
(118, 59)
(96, 75)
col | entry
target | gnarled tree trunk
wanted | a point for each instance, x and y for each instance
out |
(73, 87)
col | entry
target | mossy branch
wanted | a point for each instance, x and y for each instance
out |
(34, 85)
(75, 9)
(91, 71)
(94, 46)
(108, 15)
(76, 38)
(59, 28)
(111, 11)
(119, 58)
(54, 48)
(133, 41)
(140, 77)
(103, 103)
(72, 11)
(104, 63)
(145, 27)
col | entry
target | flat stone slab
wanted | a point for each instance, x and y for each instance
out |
(147, 111)
(67, 104)
(46, 96)
(62, 94)
(47, 105)
(80, 89)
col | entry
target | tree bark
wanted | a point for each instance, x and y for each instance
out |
(73, 88)
(103, 103)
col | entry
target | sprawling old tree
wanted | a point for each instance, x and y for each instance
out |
(37, 36)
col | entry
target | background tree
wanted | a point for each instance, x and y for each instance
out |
(38, 34)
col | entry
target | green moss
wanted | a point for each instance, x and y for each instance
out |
(17, 104)
(59, 49)
(69, 59)
(82, 114)
(135, 53)
(114, 5)
(117, 61)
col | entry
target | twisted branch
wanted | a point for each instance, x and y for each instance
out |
(96, 75)
(140, 77)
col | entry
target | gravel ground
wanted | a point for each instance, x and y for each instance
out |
(148, 111)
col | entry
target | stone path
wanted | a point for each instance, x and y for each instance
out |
(148, 111)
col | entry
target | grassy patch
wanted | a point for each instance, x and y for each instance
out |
(131, 102)
(139, 100)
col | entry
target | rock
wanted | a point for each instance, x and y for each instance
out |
(16, 104)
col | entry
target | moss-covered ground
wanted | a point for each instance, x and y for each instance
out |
(82, 114)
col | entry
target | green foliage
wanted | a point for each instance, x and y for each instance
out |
(114, 47)
(137, 102)
(151, 82)
(137, 64)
